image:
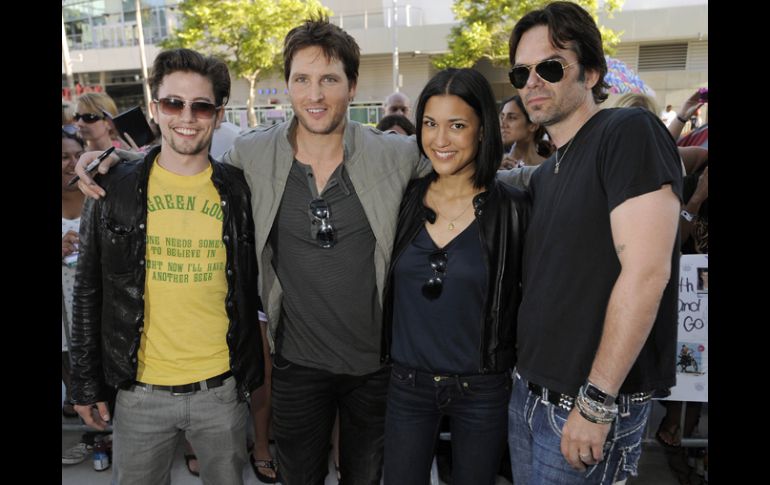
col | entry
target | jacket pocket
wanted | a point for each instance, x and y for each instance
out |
(118, 245)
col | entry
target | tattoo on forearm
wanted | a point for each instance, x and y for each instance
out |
(619, 248)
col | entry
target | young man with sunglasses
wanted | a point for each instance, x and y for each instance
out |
(597, 323)
(165, 300)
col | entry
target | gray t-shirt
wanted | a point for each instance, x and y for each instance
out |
(331, 317)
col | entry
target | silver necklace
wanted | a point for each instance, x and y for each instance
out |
(558, 161)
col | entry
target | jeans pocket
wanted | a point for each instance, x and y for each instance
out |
(557, 418)
(280, 363)
(400, 375)
(131, 398)
(226, 393)
(488, 385)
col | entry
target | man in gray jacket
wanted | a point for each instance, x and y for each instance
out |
(326, 193)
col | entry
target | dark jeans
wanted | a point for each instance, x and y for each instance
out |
(305, 403)
(477, 409)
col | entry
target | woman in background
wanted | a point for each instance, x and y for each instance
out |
(525, 142)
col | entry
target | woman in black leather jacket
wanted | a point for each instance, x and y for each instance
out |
(454, 289)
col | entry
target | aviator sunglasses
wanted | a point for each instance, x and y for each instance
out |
(321, 212)
(87, 117)
(175, 106)
(549, 70)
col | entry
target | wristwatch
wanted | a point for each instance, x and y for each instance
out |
(687, 215)
(595, 394)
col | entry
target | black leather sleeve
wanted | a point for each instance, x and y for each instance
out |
(87, 375)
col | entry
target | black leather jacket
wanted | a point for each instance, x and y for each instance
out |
(502, 213)
(108, 303)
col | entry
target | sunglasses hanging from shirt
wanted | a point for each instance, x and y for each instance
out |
(438, 263)
(321, 212)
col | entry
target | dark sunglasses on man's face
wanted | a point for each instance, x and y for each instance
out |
(438, 262)
(549, 70)
(87, 117)
(175, 106)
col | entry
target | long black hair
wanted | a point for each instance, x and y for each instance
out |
(470, 86)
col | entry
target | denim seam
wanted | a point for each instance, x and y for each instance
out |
(529, 410)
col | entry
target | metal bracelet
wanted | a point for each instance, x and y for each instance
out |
(597, 406)
(595, 412)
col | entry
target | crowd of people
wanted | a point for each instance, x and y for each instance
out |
(510, 270)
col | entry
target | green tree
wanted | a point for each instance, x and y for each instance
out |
(246, 34)
(485, 27)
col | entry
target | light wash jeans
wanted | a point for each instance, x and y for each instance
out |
(149, 424)
(534, 439)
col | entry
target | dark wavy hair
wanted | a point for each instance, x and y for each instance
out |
(571, 28)
(173, 60)
(542, 145)
(470, 86)
(332, 40)
(396, 120)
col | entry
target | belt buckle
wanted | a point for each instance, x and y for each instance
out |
(183, 393)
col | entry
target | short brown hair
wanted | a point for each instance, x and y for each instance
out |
(335, 43)
(188, 60)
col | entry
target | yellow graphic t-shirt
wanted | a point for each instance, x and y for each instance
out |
(185, 287)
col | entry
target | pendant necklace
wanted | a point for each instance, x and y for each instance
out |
(558, 161)
(451, 224)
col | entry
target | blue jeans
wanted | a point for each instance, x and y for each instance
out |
(149, 424)
(476, 406)
(305, 403)
(534, 438)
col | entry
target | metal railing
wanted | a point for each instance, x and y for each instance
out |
(408, 16)
(98, 33)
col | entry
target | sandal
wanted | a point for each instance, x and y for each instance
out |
(187, 458)
(668, 437)
(269, 464)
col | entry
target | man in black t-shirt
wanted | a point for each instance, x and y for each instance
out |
(597, 324)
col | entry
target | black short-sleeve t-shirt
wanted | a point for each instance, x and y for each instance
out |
(570, 265)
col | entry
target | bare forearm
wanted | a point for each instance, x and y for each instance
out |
(631, 313)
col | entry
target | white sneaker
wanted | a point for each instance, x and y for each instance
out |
(76, 454)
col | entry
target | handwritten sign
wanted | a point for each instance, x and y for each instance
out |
(692, 339)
